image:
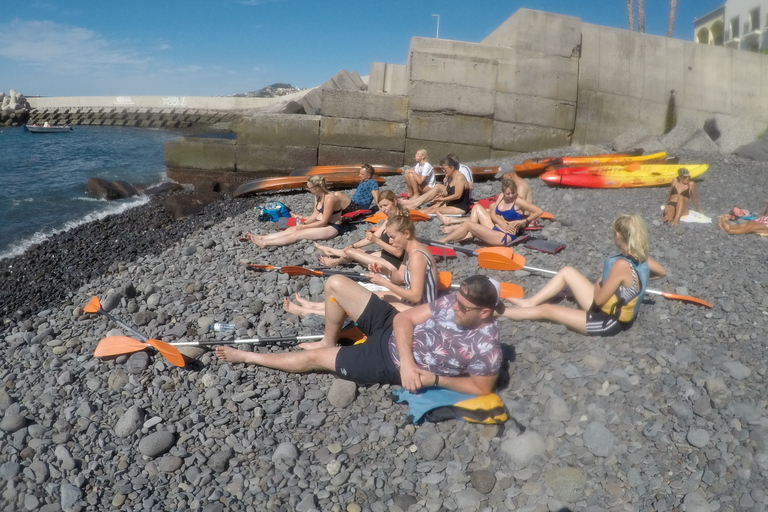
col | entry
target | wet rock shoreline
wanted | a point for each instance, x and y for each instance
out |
(669, 415)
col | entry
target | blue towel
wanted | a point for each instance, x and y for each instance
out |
(424, 406)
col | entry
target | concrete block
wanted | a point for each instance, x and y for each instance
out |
(700, 141)
(361, 133)
(347, 81)
(694, 76)
(376, 77)
(526, 138)
(438, 150)
(547, 33)
(614, 61)
(746, 83)
(255, 157)
(630, 138)
(684, 131)
(499, 154)
(518, 108)
(540, 75)
(454, 67)
(732, 132)
(396, 79)
(368, 105)
(651, 145)
(675, 63)
(589, 62)
(341, 155)
(451, 98)
(279, 130)
(314, 102)
(653, 114)
(199, 153)
(473, 131)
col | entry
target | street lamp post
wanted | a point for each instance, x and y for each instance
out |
(438, 25)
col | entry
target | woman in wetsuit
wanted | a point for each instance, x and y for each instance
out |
(611, 304)
(414, 283)
(499, 224)
(389, 257)
(681, 193)
(456, 197)
(323, 224)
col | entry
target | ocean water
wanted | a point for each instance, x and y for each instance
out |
(43, 177)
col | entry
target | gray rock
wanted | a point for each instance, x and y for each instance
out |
(718, 392)
(9, 470)
(307, 504)
(70, 495)
(521, 449)
(430, 446)
(156, 444)
(698, 437)
(696, 502)
(568, 484)
(285, 452)
(13, 419)
(169, 463)
(219, 461)
(137, 363)
(129, 422)
(557, 409)
(468, 499)
(405, 501)
(117, 379)
(342, 393)
(483, 480)
(737, 370)
(598, 439)
(111, 302)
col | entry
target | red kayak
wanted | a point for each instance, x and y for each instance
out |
(535, 166)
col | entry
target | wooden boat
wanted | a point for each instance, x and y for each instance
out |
(380, 170)
(478, 173)
(338, 180)
(619, 176)
(55, 128)
(535, 166)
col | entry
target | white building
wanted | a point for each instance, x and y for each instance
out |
(739, 24)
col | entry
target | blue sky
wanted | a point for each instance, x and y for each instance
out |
(223, 47)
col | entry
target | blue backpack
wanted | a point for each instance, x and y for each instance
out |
(273, 211)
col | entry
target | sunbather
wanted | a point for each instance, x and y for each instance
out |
(682, 192)
(759, 225)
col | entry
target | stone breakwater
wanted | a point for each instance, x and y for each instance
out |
(672, 411)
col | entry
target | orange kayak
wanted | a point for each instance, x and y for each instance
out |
(618, 176)
(535, 166)
(338, 180)
(380, 170)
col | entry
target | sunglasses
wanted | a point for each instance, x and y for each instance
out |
(464, 308)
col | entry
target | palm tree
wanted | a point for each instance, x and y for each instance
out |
(631, 15)
(641, 15)
(672, 12)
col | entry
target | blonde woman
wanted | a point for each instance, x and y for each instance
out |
(388, 257)
(608, 306)
(323, 224)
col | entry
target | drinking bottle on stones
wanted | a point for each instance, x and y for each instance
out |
(220, 327)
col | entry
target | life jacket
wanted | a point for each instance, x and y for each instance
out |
(627, 312)
(440, 404)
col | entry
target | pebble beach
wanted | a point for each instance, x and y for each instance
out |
(669, 415)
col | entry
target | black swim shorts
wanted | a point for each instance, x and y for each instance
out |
(370, 362)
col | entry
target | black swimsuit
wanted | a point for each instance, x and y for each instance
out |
(462, 202)
(338, 226)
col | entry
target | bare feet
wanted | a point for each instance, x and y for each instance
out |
(250, 236)
(328, 251)
(330, 261)
(442, 218)
(308, 303)
(448, 229)
(723, 223)
(293, 308)
(312, 345)
(231, 355)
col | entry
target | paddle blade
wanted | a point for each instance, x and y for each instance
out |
(493, 261)
(444, 280)
(93, 306)
(376, 218)
(299, 271)
(252, 266)
(169, 352)
(416, 215)
(504, 252)
(118, 346)
(511, 291)
(686, 298)
(547, 215)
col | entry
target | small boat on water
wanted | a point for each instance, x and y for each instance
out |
(54, 128)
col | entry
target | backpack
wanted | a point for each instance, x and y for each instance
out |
(273, 210)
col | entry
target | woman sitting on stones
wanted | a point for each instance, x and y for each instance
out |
(325, 225)
(453, 197)
(681, 193)
(611, 304)
(413, 283)
(389, 257)
(499, 224)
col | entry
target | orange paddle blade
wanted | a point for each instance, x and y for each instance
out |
(504, 252)
(547, 215)
(510, 290)
(169, 352)
(416, 215)
(93, 306)
(258, 267)
(684, 298)
(376, 218)
(444, 280)
(494, 261)
(292, 270)
(118, 346)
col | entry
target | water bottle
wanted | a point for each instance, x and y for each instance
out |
(220, 327)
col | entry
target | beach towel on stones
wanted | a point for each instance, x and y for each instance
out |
(544, 245)
(440, 404)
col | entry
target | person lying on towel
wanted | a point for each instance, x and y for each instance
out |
(451, 343)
